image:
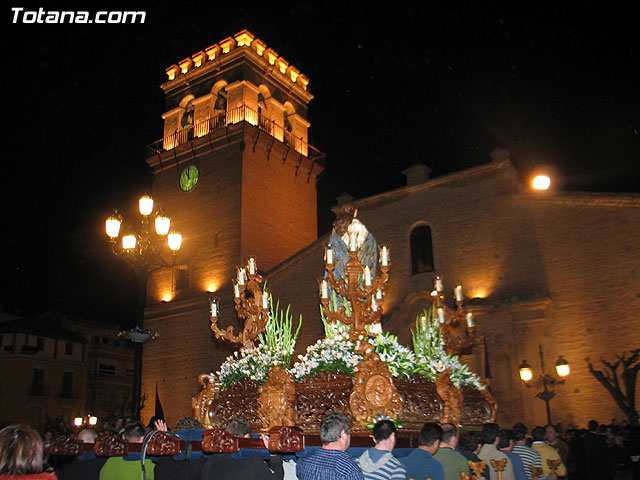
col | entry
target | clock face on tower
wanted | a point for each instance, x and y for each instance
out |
(189, 178)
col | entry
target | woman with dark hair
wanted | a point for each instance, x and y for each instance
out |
(21, 454)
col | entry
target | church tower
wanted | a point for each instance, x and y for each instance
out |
(237, 176)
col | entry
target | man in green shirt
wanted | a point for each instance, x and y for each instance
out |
(129, 467)
(452, 461)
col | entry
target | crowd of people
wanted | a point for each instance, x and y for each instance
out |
(599, 452)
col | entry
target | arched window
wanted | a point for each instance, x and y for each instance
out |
(187, 117)
(421, 250)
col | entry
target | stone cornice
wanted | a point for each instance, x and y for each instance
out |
(581, 198)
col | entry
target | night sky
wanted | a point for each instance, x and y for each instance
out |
(440, 85)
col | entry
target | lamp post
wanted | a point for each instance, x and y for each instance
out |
(545, 383)
(143, 253)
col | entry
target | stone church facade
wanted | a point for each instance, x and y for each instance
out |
(551, 270)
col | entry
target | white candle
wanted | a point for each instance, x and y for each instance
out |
(438, 283)
(214, 308)
(470, 323)
(441, 315)
(384, 256)
(374, 305)
(265, 299)
(458, 292)
(236, 290)
(423, 322)
(324, 289)
(379, 294)
(251, 266)
(329, 255)
(367, 276)
(241, 276)
(353, 244)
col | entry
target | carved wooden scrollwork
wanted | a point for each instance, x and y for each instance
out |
(421, 401)
(201, 402)
(277, 400)
(163, 444)
(237, 400)
(109, 446)
(218, 440)
(325, 392)
(479, 407)
(373, 391)
(66, 445)
(286, 439)
(452, 397)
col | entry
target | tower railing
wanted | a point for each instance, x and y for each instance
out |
(233, 116)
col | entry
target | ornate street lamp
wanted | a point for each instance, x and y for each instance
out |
(88, 420)
(143, 253)
(545, 383)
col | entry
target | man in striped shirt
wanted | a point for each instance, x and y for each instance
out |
(331, 462)
(378, 463)
(527, 454)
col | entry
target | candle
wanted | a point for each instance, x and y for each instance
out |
(367, 276)
(458, 293)
(441, 315)
(374, 305)
(470, 323)
(324, 289)
(251, 266)
(438, 283)
(423, 322)
(384, 256)
(353, 244)
(265, 299)
(214, 308)
(241, 278)
(379, 294)
(329, 255)
(236, 290)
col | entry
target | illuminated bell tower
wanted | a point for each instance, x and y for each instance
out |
(237, 176)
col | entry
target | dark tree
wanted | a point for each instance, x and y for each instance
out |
(621, 384)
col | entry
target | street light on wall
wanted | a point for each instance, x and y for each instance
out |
(89, 420)
(143, 252)
(545, 383)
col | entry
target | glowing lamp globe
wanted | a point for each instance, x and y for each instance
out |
(175, 241)
(77, 421)
(112, 226)
(162, 225)
(526, 373)
(129, 242)
(145, 204)
(541, 182)
(562, 367)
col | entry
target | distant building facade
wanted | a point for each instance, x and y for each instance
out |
(54, 368)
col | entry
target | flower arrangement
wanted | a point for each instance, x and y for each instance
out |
(431, 357)
(335, 353)
(379, 418)
(275, 347)
(400, 360)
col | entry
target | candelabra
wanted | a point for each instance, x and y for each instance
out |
(362, 294)
(143, 252)
(251, 303)
(545, 383)
(452, 320)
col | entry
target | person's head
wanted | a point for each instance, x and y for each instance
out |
(238, 426)
(550, 433)
(430, 435)
(506, 440)
(520, 432)
(186, 423)
(538, 434)
(490, 432)
(134, 432)
(470, 441)
(384, 435)
(449, 435)
(21, 450)
(592, 426)
(119, 423)
(88, 435)
(335, 429)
